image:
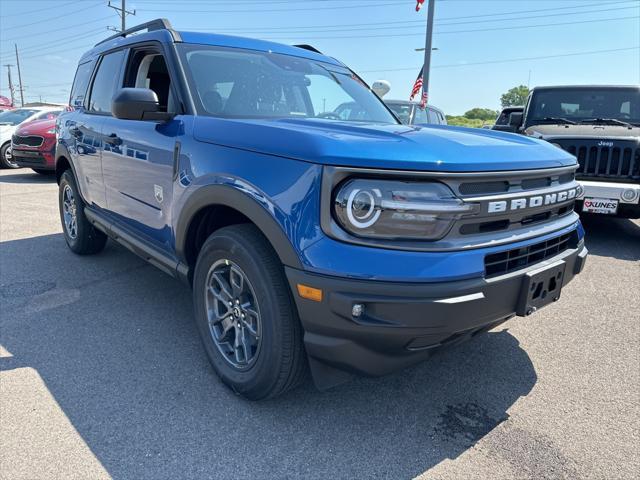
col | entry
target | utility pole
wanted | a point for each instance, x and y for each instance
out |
(426, 71)
(13, 99)
(19, 76)
(123, 12)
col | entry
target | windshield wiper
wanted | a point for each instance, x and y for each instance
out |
(562, 120)
(607, 121)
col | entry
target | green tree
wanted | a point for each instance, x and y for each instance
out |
(515, 97)
(481, 114)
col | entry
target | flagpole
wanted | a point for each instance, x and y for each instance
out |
(426, 71)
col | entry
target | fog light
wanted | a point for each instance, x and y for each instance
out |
(357, 310)
(629, 195)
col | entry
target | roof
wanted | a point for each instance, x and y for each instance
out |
(409, 102)
(167, 35)
(584, 87)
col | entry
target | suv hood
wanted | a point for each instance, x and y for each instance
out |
(429, 148)
(599, 132)
(37, 127)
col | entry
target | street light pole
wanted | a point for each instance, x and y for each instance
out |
(426, 71)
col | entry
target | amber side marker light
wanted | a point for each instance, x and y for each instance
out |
(309, 293)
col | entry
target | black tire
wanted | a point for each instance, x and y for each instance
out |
(280, 362)
(84, 239)
(4, 161)
(41, 171)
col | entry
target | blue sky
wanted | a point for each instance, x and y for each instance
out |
(484, 47)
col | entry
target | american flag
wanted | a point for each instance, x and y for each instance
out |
(417, 85)
(419, 4)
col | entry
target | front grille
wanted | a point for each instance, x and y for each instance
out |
(518, 258)
(620, 162)
(28, 140)
(515, 184)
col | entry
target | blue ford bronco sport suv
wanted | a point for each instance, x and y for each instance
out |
(345, 246)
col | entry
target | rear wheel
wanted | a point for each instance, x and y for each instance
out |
(6, 159)
(81, 237)
(245, 314)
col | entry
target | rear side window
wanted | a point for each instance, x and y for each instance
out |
(105, 83)
(433, 117)
(80, 84)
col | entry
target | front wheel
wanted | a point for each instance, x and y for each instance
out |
(81, 237)
(246, 316)
(6, 158)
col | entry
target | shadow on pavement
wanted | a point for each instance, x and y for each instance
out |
(29, 176)
(114, 341)
(612, 237)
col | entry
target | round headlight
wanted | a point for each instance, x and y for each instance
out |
(362, 209)
(388, 209)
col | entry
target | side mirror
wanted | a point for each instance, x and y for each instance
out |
(515, 120)
(137, 104)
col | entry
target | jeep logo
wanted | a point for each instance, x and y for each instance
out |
(532, 202)
(604, 143)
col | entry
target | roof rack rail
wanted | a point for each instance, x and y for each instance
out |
(309, 47)
(157, 24)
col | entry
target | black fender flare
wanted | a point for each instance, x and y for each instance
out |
(228, 196)
(63, 151)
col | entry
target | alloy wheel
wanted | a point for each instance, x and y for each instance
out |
(69, 210)
(233, 314)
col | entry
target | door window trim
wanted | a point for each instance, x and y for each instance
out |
(87, 110)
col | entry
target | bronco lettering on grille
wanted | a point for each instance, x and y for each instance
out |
(532, 202)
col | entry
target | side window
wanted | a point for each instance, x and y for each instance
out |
(104, 84)
(433, 118)
(80, 84)
(420, 116)
(148, 69)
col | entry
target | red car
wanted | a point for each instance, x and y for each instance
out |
(34, 144)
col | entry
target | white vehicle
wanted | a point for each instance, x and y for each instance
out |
(9, 121)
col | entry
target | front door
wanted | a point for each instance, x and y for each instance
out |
(138, 155)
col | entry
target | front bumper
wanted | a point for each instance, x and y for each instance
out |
(627, 195)
(403, 323)
(40, 159)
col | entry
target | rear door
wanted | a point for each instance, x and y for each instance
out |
(138, 155)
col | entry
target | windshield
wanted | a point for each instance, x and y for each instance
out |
(585, 105)
(236, 83)
(14, 117)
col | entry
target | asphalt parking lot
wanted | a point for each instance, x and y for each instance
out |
(103, 376)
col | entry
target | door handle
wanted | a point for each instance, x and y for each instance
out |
(113, 139)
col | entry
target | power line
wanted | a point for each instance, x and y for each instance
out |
(57, 42)
(421, 22)
(65, 28)
(13, 27)
(29, 12)
(394, 35)
(294, 30)
(508, 60)
(341, 7)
